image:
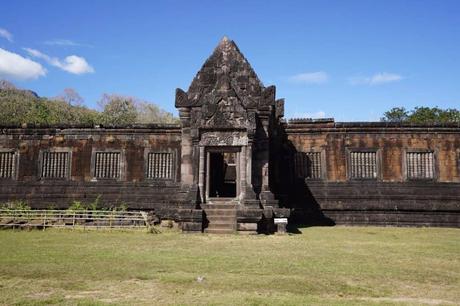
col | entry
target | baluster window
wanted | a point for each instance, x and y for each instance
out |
(160, 165)
(420, 165)
(107, 165)
(363, 165)
(7, 165)
(308, 165)
(55, 164)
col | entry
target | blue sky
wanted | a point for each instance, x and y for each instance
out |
(351, 60)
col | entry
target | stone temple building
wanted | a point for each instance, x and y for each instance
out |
(234, 164)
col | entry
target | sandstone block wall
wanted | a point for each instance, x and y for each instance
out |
(391, 198)
(132, 187)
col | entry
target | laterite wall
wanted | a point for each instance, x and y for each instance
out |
(132, 188)
(391, 198)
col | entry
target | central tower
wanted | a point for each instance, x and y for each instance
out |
(226, 119)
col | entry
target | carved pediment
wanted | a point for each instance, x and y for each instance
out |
(226, 92)
(227, 111)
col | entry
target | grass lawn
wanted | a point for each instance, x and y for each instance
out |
(328, 265)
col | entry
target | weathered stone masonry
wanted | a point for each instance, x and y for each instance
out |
(234, 164)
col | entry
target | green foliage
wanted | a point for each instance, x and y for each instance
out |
(118, 110)
(80, 206)
(19, 106)
(51, 206)
(122, 206)
(95, 205)
(15, 205)
(396, 114)
(422, 115)
(77, 206)
(23, 106)
(434, 115)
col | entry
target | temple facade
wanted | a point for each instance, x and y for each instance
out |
(234, 164)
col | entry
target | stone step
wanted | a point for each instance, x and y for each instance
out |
(220, 231)
(221, 199)
(222, 219)
(222, 226)
(220, 212)
(219, 206)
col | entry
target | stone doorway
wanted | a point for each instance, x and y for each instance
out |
(222, 175)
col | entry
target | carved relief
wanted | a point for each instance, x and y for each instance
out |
(223, 139)
(226, 93)
(181, 98)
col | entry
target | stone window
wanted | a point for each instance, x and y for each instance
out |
(308, 165)
(7, 165)
(55, 164)
(107, 165)
(363, 165)
(160, 165)
(420, 165)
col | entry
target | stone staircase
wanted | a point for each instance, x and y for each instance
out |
(221, 214)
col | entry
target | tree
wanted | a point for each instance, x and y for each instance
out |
(396, 114)
(151, 113)
(434, 115)
(20, 106)
(118, 110)
(71, 96)
(423, 115)
(15, 106)
(23, 106)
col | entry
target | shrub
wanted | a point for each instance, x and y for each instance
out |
(95, 205)
(122, 207)
(16, 205)
(77, 205)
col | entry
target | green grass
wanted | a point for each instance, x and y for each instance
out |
(334, 265)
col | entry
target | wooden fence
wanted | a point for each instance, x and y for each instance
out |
(72, 219)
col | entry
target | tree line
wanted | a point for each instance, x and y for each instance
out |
(422, 115)
(19, 106)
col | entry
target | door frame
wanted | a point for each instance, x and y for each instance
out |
(222, 149)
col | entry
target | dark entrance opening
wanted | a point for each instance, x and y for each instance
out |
(222, 175)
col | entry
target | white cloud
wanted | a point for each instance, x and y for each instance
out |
(36, 53)
(14, 66)
(5, 34)
(315, 115)
(72, 63)
(381, 78)
(76, 65)
(318, 77)
(65, 43)
(376, 79)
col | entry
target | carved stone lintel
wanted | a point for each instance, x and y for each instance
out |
(223, 139)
